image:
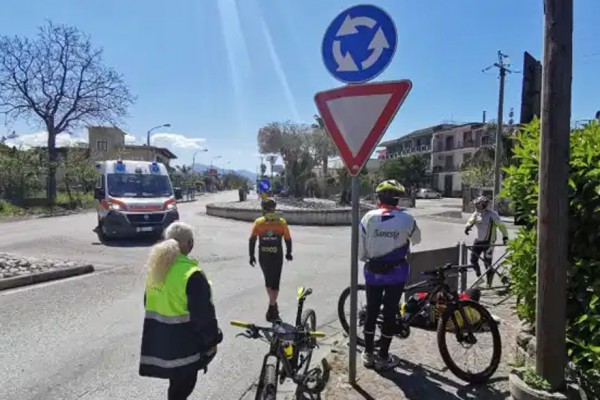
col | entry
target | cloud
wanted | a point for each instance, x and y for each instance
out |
(130, 139)
(40, 139)
(175, 140)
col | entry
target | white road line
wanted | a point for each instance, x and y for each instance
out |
(8, 292)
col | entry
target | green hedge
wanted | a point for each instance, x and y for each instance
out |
(583, 305)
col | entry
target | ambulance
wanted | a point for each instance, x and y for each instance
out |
(133, 198)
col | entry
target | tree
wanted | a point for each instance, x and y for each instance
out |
(411, 171)
(292, 142)
(79, 172)
(322, 143)
(478, 175)
(59, 81)
(272, 159)
(263, 169)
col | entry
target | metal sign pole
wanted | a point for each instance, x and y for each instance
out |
(353, 280)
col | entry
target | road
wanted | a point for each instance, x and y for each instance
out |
(79, 338)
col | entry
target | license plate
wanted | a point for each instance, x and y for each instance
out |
(145, 229)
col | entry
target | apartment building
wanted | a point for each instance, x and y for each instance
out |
(450, 149)
(417, 142)
(445, 147)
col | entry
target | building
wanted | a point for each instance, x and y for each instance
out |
(107, 143)
(333, 166)
(417, 142)
(445, 147)
(451, 148)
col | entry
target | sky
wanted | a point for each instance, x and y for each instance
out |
(218, 70)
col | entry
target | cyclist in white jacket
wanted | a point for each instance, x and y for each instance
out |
(384, 242)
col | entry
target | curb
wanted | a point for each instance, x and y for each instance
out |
(32, 279)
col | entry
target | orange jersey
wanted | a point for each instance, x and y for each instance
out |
(270, 230)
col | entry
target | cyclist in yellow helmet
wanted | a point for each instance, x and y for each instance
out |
(384, 242)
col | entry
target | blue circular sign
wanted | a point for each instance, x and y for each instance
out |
(264, 185)
(359, 44)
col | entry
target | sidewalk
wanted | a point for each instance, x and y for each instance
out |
(422, 373)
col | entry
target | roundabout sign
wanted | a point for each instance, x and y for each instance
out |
(359, 44)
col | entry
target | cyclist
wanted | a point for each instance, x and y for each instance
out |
(486, 222)
(270, 229)
(384, 242)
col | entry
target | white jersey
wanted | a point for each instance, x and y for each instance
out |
(486, 222)
(386, 232)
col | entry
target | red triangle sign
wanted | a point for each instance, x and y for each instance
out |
(357, 116)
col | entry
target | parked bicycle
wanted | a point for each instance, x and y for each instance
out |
(455, 315)
(290, 352)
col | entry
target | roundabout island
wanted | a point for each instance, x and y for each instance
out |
(308, 211)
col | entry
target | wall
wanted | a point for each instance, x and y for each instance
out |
(114, 138)
(293, 217)
(428, 260)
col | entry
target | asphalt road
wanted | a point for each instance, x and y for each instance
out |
(79, 338)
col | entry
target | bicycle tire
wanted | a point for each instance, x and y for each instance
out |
(473, 378)
(309, 322)
(270, 383)
(345, 296)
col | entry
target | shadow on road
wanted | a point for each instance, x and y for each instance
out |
(418, 382)
(137, 242)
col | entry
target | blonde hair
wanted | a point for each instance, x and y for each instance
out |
(164, 254)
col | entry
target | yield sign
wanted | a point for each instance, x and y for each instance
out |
(357, 116)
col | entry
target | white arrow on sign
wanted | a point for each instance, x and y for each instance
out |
(350, 24)
(378, 44)
(344, 62)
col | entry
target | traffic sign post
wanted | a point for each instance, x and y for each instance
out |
(357, 46)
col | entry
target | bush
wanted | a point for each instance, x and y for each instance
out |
(583, 288)
(7, 208)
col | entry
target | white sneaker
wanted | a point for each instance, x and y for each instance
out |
(368, 359)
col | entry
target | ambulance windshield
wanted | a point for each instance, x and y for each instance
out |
(139, 185)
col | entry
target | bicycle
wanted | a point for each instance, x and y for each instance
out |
(286, 345)
(454, 315)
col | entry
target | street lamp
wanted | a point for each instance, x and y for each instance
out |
(156, 127)
(223, 169)
(213, 160)
(194, 156)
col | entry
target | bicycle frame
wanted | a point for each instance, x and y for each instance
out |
(439, 285)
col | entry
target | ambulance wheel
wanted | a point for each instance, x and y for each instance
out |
(102, 232)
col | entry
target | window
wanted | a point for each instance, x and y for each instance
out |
(102, 145)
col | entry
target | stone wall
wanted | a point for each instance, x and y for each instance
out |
(293, 217)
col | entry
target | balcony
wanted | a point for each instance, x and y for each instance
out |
(445, 168)
(440, 147)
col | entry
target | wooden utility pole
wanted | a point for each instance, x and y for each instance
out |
(503, 70)
(553, 205)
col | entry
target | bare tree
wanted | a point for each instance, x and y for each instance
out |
(59, 81)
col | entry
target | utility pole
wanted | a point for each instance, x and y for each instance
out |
(503, 70)
(553, 205)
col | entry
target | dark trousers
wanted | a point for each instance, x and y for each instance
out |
(482, 250)
(181, 387)
(389, 297)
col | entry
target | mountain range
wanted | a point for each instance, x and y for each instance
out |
(242, 172)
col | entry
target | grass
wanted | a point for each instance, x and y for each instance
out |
(79, 201)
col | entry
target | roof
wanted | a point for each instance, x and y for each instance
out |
(420, 132)
(428, 131)
(163, 150)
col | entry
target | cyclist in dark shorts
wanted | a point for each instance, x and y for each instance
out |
(270, 229)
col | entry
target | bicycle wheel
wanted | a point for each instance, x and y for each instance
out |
(269, 383)
(468, 316)
(344, 304)
(305, 350)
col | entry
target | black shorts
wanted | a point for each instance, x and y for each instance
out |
(271, 268)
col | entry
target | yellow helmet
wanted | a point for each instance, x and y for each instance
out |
(390, 186)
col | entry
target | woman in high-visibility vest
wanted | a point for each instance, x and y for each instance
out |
(181, 332)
